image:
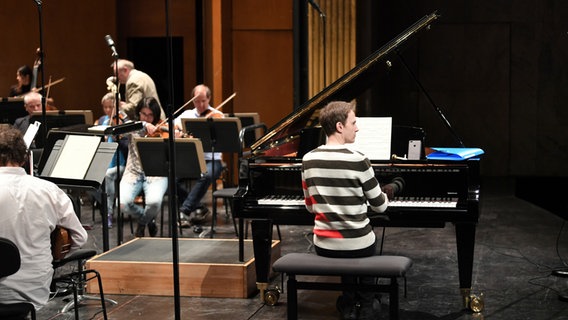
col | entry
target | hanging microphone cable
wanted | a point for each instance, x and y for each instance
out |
(323, 20)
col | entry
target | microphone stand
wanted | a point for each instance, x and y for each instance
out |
(119, 219)
(41, 66)
(172, 174)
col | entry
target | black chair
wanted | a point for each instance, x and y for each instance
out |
(11, 264)
(78, 279)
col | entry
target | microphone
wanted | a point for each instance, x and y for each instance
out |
(110, 43)
(317, 7)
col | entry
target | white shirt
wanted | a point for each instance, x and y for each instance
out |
(192, 114)
(30, 208)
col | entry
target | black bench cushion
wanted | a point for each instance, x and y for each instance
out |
(311, 264)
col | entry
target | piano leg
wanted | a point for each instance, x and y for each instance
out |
(262, 246)
(465, 240)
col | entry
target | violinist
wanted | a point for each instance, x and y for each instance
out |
(134, 180)
(24, 79)
(192, 211)
(108, 105)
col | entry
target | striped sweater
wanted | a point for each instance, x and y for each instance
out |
(338, 185)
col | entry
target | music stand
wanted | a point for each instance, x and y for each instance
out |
(248, 119)
(59, 119)
(216, 135)
(91, 177)
(11, 109)
(154, 158)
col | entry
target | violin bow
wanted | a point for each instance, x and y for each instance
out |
(51, 83)
(226, 100)
(177, 112)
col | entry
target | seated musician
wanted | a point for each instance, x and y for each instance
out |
(338, 183)
(134, 180)
(24, 76)
(108, 103)
(32, 102)
(30, 209)
(191, 210)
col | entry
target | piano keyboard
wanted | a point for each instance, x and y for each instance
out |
(424, 202)
(274, 200)
(408, 202)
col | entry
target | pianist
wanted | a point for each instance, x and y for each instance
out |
(338, 183)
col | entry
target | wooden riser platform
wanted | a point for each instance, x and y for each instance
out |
(207, 268)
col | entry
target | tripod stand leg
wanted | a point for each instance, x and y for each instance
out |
(80, 298)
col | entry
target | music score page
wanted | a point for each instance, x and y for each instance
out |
(76, 157)
(374, 137)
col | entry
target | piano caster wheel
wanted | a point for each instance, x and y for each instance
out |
(475, 303)
(271, 296)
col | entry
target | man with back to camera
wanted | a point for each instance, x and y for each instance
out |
(339, 185)
(30, 209)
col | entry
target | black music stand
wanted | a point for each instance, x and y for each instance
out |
(154, 157)
(91, 179)
(216, 135)
(11, 109)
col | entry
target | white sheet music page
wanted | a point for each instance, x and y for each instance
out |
(374, 137)
(76, 156)
(31, 133)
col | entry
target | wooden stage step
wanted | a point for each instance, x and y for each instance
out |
(207, 268)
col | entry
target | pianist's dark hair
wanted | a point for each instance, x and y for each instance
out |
(152, 103)
(334, 112)
(12, 146)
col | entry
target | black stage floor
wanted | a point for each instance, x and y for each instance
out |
(518, 245)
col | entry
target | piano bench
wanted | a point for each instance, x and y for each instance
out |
(294, 264)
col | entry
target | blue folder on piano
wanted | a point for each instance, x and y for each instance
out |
(456, 154)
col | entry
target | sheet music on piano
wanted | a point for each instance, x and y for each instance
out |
(374, 137)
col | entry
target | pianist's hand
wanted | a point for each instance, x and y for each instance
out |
(393, 188)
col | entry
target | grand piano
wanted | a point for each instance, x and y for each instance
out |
(436, 192)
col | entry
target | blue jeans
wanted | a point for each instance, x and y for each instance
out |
(110, 180)
(193, 199)
(154, 191)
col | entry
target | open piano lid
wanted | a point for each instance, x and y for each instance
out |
(282, 140)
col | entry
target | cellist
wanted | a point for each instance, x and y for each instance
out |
(24, 78)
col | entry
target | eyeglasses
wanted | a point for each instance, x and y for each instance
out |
(146, 114)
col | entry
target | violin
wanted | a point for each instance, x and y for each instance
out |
(211, 114)
(162, 128)
(161, 131)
